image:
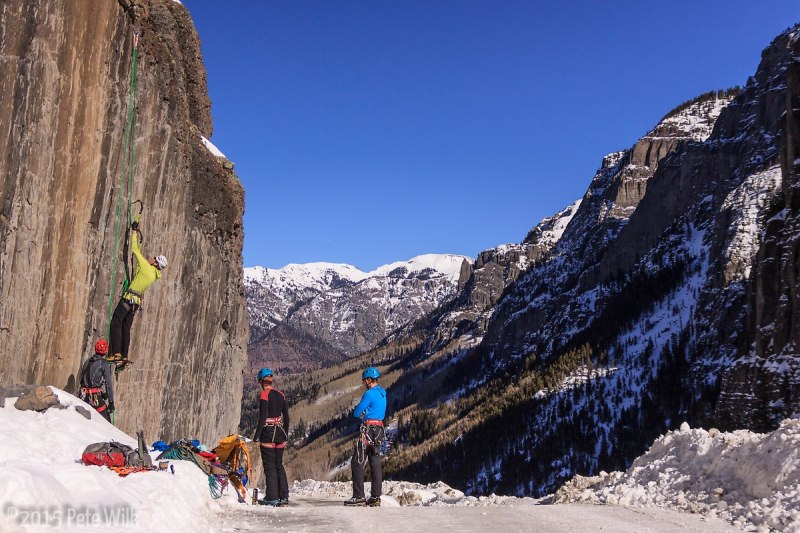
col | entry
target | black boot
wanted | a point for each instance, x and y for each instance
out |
(374, 501)
(355, 502)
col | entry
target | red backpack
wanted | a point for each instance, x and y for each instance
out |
(106, 454)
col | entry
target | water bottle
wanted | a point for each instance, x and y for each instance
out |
(255, 495)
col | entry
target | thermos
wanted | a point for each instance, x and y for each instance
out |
(255, 495)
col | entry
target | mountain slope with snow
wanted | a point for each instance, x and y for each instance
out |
(670, 296)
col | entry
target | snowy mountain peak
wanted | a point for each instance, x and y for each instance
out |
(694, 119)
(318, 274)
(447, 265)
(330, 301)
(549, 231)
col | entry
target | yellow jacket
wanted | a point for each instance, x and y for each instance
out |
(144, 274)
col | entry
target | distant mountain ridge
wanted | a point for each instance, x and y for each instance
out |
(345, 308)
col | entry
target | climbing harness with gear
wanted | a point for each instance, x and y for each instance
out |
(92, 397)
(372, 435)
(274, 424)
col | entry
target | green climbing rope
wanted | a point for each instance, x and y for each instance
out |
(128, 143)
(180, 453)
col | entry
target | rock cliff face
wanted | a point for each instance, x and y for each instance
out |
(763, 386)
(64, 76)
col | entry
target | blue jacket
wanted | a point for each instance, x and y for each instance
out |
(372, 404)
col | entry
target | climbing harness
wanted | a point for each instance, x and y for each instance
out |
(275, 424)
(91, 396)
(128, 149)
(372, 435)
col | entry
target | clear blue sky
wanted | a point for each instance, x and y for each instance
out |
(367, 132)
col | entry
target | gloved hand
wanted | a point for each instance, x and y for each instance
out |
(110, 407)
(135, 223)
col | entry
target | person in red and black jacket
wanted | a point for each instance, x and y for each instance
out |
(272, 432)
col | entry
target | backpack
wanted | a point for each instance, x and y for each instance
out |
(106, 454)
(117, 454)
(139, 457)
(85, 380)
(233, 453)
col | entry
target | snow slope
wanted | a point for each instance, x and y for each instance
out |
(44, 486)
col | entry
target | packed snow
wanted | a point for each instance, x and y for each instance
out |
(210, 146)
(403, 493)
(44, 486)
(750, 480)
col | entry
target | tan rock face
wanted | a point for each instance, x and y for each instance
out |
(64, 75)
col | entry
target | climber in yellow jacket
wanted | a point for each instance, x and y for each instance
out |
(145, 273)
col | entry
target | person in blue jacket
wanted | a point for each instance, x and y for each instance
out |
(370, 410)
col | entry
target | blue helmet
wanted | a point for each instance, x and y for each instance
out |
(370, 372)
(264, 373)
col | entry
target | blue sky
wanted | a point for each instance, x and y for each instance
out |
(367, 132)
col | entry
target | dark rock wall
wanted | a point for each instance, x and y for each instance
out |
(64, 78)
(760, 390)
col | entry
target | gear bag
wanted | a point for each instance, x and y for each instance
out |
(116, 454)
(107, 454)
(233, 453)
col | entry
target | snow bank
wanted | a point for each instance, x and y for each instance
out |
(211, 148)
(403, 493)
(45, 486)
(743, 477)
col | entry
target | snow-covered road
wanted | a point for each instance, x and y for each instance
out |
(317, 515)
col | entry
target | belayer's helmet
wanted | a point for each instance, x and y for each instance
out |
(264, 373)
(101, 347)
(161, 261)
(370, 372)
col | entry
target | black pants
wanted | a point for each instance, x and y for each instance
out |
(373, 458)
(277, 485)
(121, 323)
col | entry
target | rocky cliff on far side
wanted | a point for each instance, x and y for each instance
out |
(64, 77)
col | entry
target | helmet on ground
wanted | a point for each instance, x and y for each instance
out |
(161, 261)
(370, 372)
(264, 373)
(101, 347)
